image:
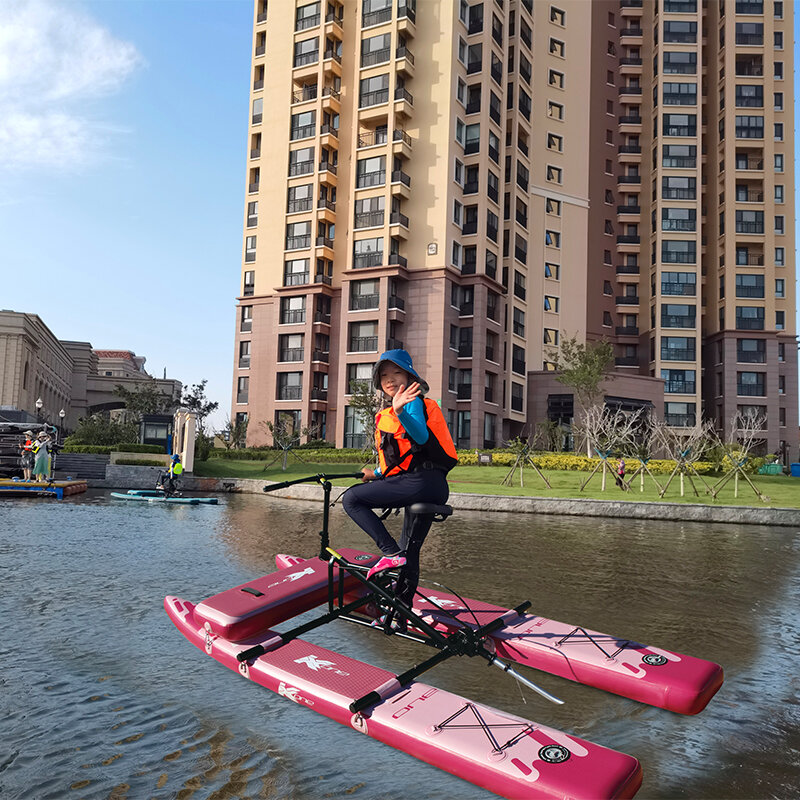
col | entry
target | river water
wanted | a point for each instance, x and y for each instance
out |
(101, 697)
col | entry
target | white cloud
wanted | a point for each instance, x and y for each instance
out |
(54, 60)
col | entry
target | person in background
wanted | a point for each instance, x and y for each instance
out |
(415, 453)
(26, 456)
(621, 474)
(41, 449)
(166, 480)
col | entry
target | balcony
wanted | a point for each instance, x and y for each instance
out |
(324, 279)
(628, 239)
(679, 387)
(367, 260)
(678, 354)
(367, 179)
(368, 19)
(750, 164)
(680, 420)
(629, 179)
(469, 228)
(328, 130)
(318, 393)
(464, 391)
(626, 361)
(627, 269)
(291, 354)
(677, 321)
(321, 317)
(290, 392)
(750, 291)
(395, 259)
(751, 390)
(518, 366)
(363, 344)
(465, 350)
(749, 324)
(627, 300)
(396, 303)
(376, 98)
(405, 98)
(304, 94)
(749, 227)
(396, 218)
(631, 32)
(630, 62)
(405, 60)
(324, 203)
(293, 316)
(516, 403)
(307, 22)
(322, 356)
(301, 168)
(298, 242)
(629, 209)
(630, 90)
(401, 143)
(679, 289)
(751, 356)
(376, 57)
(324, 241)
(371, 219)
(295, 206)
(394, 344)
(749, 260)
(466, 309)
(295, 278)
(302, 132)
(372, 138)
(364, 302)
(630, 119)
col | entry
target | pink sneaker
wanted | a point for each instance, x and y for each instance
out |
(387, 562)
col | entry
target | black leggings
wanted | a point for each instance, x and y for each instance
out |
(426, 486)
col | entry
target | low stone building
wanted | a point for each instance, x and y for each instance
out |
(65, 375)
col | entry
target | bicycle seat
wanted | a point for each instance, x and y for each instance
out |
(442, 512)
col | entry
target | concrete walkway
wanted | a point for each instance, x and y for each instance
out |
(674, 512)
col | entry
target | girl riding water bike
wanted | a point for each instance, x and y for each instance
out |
(415, 453)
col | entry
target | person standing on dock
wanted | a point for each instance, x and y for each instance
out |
(26, 456)
(415, 453)
(41, 465)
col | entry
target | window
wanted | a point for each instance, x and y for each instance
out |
(456, 255)
(306, 51)
(680, 63)
(780, 320)
(551, 303)
(557, 48)
(373, 91)
(245, 320)
(472, 138)
(301, 162)
(679, 381)
(556, 79)
(682, 415)
(748, 96)
(684, 32)
(376, 49)
(750, 286)
(607, 319)
(675, 187)
(242, 389)
(298, 235)
(293, 310)
(367, 253)
(557, 16)
(554, 174)
(679, 155)
(364, 295)
(552, 238)
(295, 272)
(303, 125)
(780, 287)
(678, 219)
(555, 142)
(552, 207)
(370, 172)
(749, 127)
(676, 315)
(679, 283)
(779, 224)
(552, 270)
(300, 198)
(751, 351)
(777, 101)
(780, 257)
(680, 94)
(681, 125)
(555, 110)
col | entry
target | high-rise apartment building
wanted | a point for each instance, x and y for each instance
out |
(474, 181)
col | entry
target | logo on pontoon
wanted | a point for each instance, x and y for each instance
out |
(554, 754)
(293, 693)
(317, 664)
(654, 660)
(442, 603)
(293, 577)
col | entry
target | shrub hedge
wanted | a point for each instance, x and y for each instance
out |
(131, 447)
(500, 458)
(139, 462)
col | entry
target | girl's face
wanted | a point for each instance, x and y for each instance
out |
(392, 378)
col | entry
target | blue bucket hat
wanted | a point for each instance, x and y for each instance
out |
(403, 360)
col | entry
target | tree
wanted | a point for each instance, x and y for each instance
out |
(144, 399)
(366, 403)
(285, 436)
(234, 434)
(583, 367)
(99, 430)
(194, 399)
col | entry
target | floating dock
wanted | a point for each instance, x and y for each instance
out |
(56, 489)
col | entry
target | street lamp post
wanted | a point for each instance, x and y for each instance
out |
(39, 405)
(61, 415)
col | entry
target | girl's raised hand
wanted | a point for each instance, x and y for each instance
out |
(405, 395)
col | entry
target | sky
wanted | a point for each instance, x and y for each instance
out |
(123, 146)
(123, 136)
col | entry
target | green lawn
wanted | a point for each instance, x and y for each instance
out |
(781, 490)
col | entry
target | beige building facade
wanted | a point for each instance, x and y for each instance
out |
(64, 375)
(473, 181)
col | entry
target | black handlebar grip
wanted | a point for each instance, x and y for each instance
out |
(364, 702)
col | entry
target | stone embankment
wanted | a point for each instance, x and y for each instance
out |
(122, 477)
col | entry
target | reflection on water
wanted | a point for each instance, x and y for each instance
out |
(102, 698)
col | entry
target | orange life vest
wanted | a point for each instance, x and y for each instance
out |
(397, 452)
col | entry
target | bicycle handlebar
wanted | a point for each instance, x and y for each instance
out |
(319, 477)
